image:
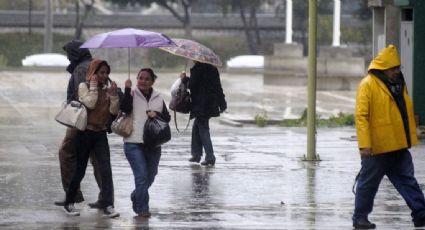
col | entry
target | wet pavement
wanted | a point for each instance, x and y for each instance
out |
(259, 181)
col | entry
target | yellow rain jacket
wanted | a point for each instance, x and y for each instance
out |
(379, 123)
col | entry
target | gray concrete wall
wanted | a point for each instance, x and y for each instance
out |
(336, 68)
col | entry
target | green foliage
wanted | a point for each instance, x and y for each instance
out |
(15, 46)
(21, 5)
(291, 123)
(324, 29)
(341, 119)
(360, 35)
(3, 61)
(261, 120)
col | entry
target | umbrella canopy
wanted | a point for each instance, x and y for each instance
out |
(193, 50)
(128, 38)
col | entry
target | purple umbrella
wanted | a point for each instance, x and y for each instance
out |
(128, 38)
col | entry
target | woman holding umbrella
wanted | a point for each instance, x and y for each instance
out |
(143, 102)
(208, 101)
(206, 94)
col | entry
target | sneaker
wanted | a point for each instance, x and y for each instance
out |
(95, 205)
(70, 210)
(195, 159)
(109, 212)
(208, 163)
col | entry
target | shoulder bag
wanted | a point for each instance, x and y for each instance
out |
(73, 114)
(123, 124)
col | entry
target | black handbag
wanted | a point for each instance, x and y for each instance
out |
(180, 98)
(156, 132)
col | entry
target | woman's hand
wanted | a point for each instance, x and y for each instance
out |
(113, 90)
(93, 82)
(128, 83)
(151, 114)
(94, 77)
(182, 75)
(114, 86)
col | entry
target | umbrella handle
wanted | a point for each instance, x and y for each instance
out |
(128, 62)
(185, 67)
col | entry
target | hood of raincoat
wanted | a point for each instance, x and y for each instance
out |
(94, 64)
(75, 55)
(386, 59)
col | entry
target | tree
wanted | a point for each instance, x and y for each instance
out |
(250, 24)
(300, 12)
(79, 21)
(168, 5)
(363, 12)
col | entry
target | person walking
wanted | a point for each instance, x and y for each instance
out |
(142, 102)
(101, 101)
(79, 62)
(208, 101)
(386, 129)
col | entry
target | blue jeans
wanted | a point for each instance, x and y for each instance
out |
(86, 142)
(398, 167)
(201, 138)
(144, 164)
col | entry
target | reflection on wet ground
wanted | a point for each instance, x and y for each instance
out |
(259, 181)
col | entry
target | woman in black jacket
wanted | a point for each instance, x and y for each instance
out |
(208, 101)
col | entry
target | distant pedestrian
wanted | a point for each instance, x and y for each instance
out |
(386, 129)
(80, 59)
(208, 101)
(142, 102)
(101, 101)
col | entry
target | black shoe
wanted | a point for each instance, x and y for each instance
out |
(195, 159)
(95, 205)
(420, 222)
(363, 223)
(208, 163)
(144, 214)
(70, 210)
(60, 202)
(79, 199)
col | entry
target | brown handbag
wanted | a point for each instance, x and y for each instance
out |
(123, 124)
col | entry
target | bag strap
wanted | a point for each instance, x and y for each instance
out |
(355, 182)
(175, 122)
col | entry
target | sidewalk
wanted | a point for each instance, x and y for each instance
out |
(259, 181)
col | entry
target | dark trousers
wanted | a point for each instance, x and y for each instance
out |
(68, 159)
(398, 167)
(96, 142)
(201, 139)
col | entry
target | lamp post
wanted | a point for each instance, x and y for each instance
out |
(312, 64)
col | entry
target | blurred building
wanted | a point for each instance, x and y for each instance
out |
(402, 23)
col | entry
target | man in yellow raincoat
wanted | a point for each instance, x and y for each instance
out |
(385, 130)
